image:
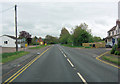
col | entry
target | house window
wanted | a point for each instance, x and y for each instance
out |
(108, 33)
(5, 42)
(113, 33)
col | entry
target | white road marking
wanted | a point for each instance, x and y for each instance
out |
(74, 68)
(84, 81)
(70, 62)
(62, 52)
(82, 78)
(64, 55)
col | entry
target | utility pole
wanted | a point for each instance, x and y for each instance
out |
(16, 27)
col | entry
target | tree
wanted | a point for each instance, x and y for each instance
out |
(51, 40)
(34, 40)
(26, 35)
(81, 35)
(96, 39)
(70, 39)
(64, 36)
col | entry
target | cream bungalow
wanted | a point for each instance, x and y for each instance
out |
(9, 41)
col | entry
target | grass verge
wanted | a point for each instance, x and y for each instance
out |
(112, 59)
(6, 57)
(37, 47)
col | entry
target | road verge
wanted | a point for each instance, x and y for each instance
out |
(106, 61)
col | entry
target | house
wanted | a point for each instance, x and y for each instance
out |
(9, 41)
(113, 34)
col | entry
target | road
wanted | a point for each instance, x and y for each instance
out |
(64, 64)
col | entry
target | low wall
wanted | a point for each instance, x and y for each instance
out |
(96, 45)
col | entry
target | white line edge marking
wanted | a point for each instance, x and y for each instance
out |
(70, 62)
(82, 78)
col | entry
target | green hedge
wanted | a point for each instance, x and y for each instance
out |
(117, 52)
(114, 49)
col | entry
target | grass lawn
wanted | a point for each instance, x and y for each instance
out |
(112, 59)
(71, 46)
(39, 46)
(6, 57)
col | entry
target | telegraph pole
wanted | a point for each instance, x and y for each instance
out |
(16, 27)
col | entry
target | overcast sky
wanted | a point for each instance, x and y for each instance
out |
(48, 18)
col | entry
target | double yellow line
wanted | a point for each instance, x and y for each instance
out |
(14, 76)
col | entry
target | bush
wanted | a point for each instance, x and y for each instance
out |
(118, 43)
(117, 52)
(114, 49)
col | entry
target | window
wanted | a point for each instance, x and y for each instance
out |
(108, 33)
(5, 42)
(113, 33)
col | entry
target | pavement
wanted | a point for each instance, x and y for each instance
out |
(64, 64)
(12, 49)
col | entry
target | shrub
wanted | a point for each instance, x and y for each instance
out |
(118, 43)
(114, 49)
(117, 52)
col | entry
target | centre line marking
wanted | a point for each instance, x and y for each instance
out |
(62, 52)
(82, 78)
(64, 55)
(70, 62)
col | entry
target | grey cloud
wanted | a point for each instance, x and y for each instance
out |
(42, 18)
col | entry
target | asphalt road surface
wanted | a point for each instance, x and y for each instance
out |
(63, 64)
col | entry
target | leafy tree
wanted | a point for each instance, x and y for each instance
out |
(96, 39)
(51, 40)
(70, 39)
(26, 35)
(64, 36)
(81, 35)
(34, 40)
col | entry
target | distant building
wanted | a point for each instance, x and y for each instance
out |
(40, 41)
(113, 34)
(9, 41)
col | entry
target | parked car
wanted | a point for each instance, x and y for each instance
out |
(108, 45)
